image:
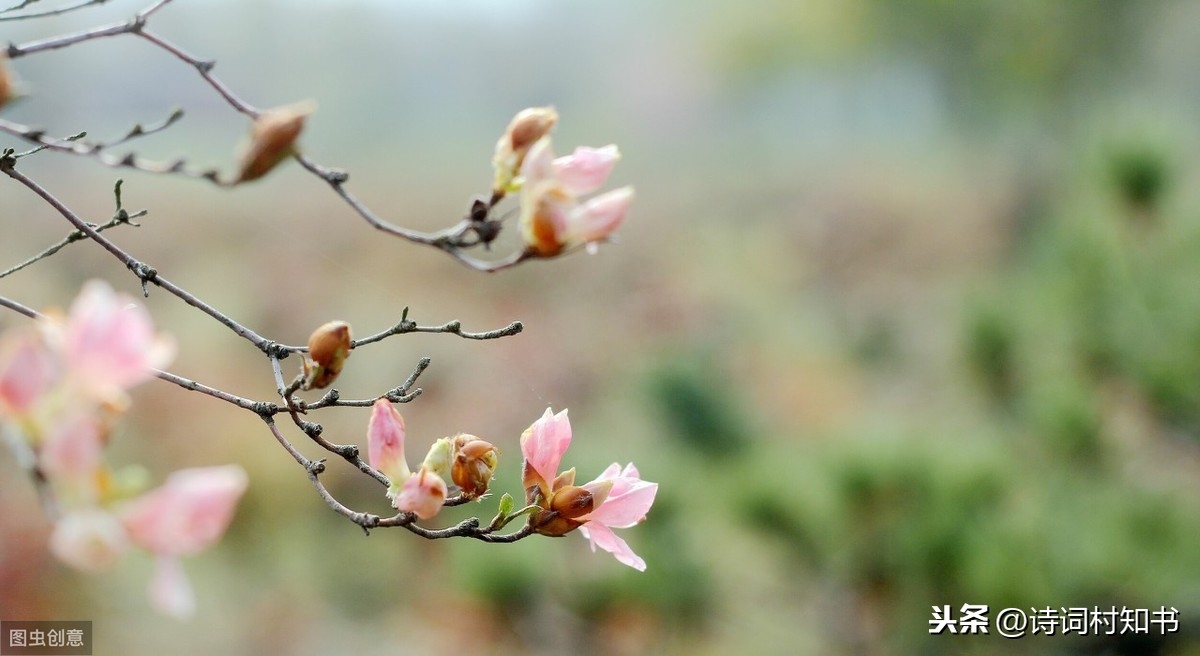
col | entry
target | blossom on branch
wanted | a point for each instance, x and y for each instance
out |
(618, 498)
(108, 342)
(553, 219)
(62, 386)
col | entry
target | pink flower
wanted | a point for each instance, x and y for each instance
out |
(385, 444)
(109, 344)
(552, 217)
(622, 497)
(626, 505)
(422, 494)
(543, 445)
(27, 371)
(188, 513)
(90, 540)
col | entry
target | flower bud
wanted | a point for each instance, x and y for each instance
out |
(422, 494)
(385, 444)
(526, 128)
(6, 81)
(12, 87)
(474, 463)
(328, 348)
(272, 139)
(440, 457)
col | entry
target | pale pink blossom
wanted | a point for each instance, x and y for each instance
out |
(90, 540)
(543, 445)
(422, 494)
(187, 513)
(170, 591)
(622, 498)
(552, 216)
(627, 503)
(109, 343)
(28, 369)
(585, 170)
(385, 444)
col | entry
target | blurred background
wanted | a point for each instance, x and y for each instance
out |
(907, 314)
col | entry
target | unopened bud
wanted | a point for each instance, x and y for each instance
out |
(385, 444)
(328, 348)
(440, 457)
(526, 128)
(6, 81)
(474, 463)
(272, 139)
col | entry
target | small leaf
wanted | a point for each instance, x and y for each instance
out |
(506, 504)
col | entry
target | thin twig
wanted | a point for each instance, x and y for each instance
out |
(48, 12)
(95, 151)
(17, 7)
(453, 240)
(143, 271)
(453, 327)
(120, 216)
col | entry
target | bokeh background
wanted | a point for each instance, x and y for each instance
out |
(907, 314)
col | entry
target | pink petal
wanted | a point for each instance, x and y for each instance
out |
(626, 508)
(188, 513)
(89, 540)
(601, 536)
(423, 494)
(27, 371)
(544, 443)
(385, 441)
(170, 592)
(598, 217)
(539, 163)
(109, 342)
(585, 170)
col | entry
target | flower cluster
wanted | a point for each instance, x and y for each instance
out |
(63, 385)
(553, 218)
(618, 498)
(464, 461)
